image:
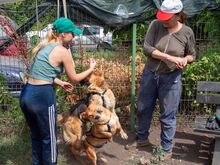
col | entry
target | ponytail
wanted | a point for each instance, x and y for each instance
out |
(51, 37)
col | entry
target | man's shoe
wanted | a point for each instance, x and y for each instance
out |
(137, 144)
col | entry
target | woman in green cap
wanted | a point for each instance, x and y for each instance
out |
(37, 100)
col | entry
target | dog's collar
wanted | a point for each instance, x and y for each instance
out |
(102, 96)
(107, 123)
(109, 130)
(96, 146)
(103, 99)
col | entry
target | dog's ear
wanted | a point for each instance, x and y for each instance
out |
(83, 116)
(100, 82)
(82, 82)
(98, 73)
(85, 81)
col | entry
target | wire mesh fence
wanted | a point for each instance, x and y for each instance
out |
(113, 59)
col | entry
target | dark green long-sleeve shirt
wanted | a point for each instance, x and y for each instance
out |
(177, 44)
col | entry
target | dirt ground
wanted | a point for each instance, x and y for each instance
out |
(191, 148)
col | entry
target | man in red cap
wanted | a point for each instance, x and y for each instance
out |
(169, 45)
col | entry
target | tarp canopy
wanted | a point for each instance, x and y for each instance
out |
(111, 13)
(117, 13)
(9, 1)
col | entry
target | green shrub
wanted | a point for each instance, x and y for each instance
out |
(207, 68)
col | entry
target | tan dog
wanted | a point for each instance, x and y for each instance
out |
(99, 91)
(105, 125)
(73, 128)
(72, 132)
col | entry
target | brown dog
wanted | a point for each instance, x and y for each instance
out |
(73, 128)
(72, 132)
(99, 94)
(99, 91)
(105, 125)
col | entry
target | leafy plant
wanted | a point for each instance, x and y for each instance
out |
(212, 27)
(133, 160)
(207, 68)
(5, 97)
(25, 10)
(158, 153)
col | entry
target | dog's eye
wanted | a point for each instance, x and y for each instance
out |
(99, 111)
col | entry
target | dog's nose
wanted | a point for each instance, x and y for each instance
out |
(97, 117)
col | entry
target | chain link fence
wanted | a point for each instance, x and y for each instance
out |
(96, 41)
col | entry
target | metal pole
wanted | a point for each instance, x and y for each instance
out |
(58, 9)
(133, 75)
(36, 10)
(64, 8)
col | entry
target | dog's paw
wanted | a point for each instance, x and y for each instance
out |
(123, 135)
(60, 119)
(110, 139)
(101, 159)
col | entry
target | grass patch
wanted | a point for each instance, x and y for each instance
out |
(15, 141)
(15, 145)
(15, 149)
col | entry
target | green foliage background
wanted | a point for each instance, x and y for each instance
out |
(26, 9)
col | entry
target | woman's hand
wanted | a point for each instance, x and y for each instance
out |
(67, 86)
(183, 63)
(92, 63)
(180, 62)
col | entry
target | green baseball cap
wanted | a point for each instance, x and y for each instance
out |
(62, 25)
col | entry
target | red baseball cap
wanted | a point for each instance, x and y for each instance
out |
(168, 8)
(163, 16)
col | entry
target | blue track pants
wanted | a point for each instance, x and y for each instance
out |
(38, 105)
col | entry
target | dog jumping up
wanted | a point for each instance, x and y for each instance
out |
(100, 111)
(99, 90)
(105, 125)
(73, 127)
